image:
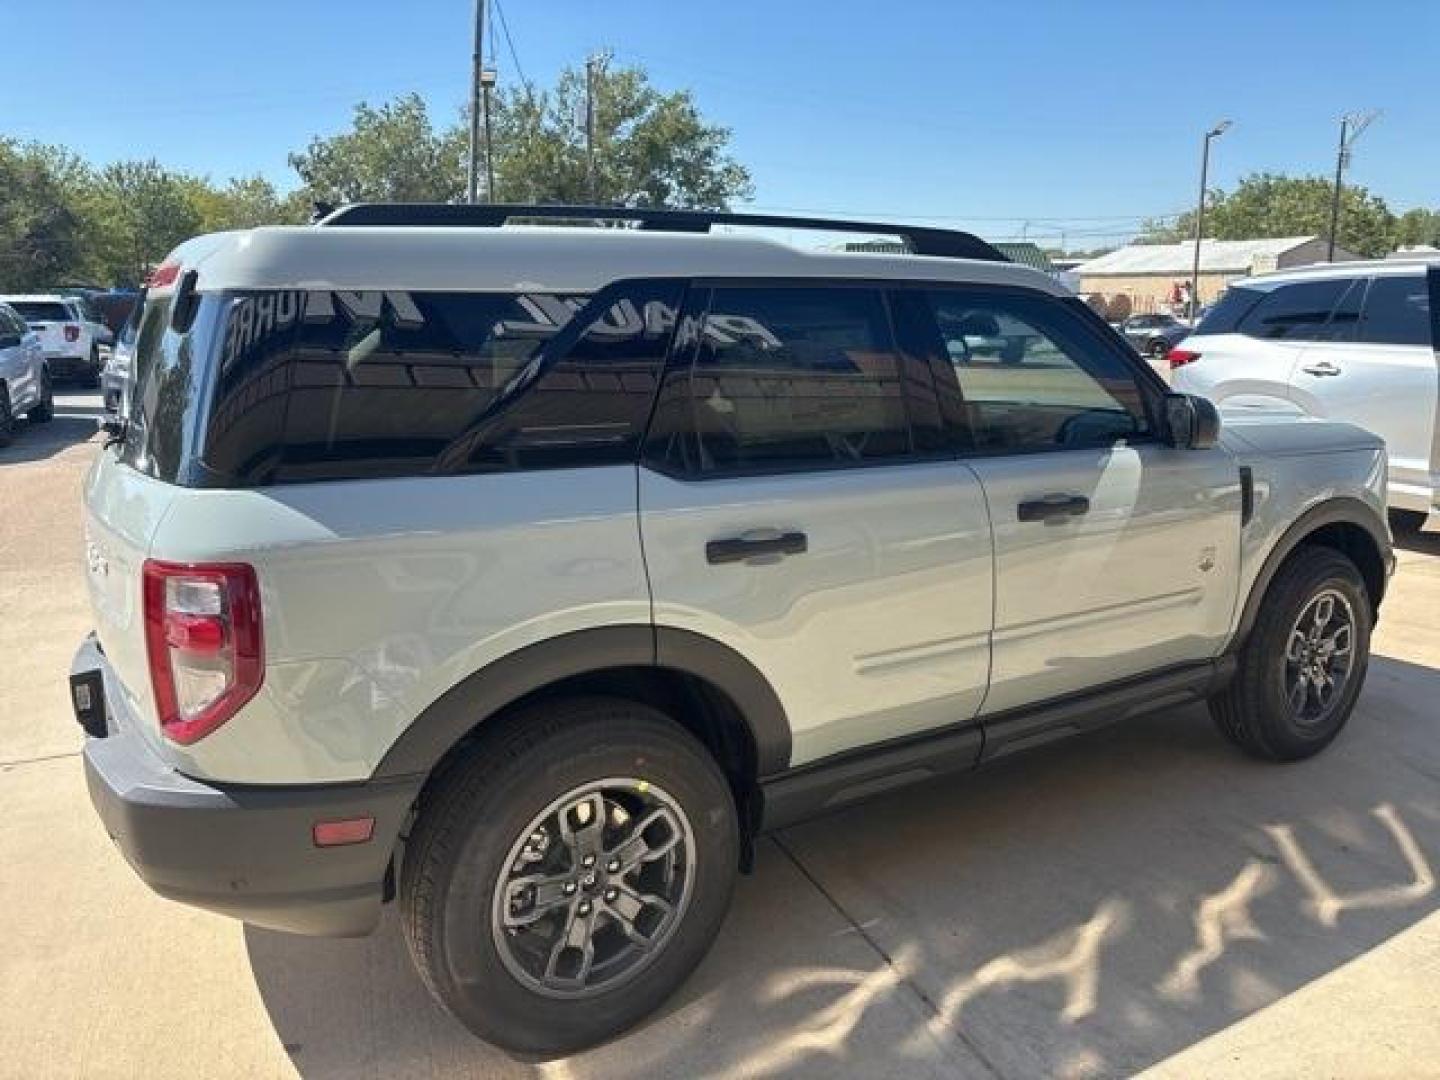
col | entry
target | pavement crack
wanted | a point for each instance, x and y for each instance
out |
(902, 977)
(38, 759)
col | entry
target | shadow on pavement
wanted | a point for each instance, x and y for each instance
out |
(1089, 909)
(1422, 543)
(75, 422)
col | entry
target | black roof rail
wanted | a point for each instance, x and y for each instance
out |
(947, 243)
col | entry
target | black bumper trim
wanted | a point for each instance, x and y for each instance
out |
(242, 850)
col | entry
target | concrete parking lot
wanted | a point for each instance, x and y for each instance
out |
(1143, 899)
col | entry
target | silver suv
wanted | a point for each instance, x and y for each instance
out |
(526, 574)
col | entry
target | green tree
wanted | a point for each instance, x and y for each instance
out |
(134, 213)
(40, 226)
(1418, 227)
(244, 203)
(1270, 205)
(390, 154)
(651, 148)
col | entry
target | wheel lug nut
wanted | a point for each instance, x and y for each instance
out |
(612, 894)
(585, 907)
(569, 888)
(588, 861)
(613, 866)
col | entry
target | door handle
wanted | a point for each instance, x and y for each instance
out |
(754, 545)
(1321, 367)
(1053, 508)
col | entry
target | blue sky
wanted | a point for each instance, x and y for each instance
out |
(1079, 118)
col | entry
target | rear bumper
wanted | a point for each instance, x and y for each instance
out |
(240, 850)
(70, 367)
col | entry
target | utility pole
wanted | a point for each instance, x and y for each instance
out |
(488, 83)
(1352, 126)
(1214, 133)
(477, 68)
(592, 72)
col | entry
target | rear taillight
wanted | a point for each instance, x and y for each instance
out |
(72, 332)
(1180, 357)
(203, 636)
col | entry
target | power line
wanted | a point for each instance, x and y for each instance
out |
(510, 44)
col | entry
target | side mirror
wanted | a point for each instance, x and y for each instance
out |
(1191, 422)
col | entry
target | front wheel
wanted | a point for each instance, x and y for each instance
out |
(1159, 349)
(1303, 665)
(43, 411)
(7, 417)
(569, 874)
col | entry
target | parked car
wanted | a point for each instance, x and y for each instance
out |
(1154, 335)
(68, 338)
(24, 377)
(532, 605)
(1353, 341)
(115, 376)
(86, 303)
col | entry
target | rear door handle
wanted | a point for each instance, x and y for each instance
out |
(1053, 508)
(755, 545)
(1321, 367)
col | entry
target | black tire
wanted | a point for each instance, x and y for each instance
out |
(1159, 349)
(96, 367)
(7, 418)
(1253, 711)
(1407, 522)
(44, 411)
(463, 843)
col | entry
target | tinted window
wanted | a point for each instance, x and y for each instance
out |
(168, 370)
(41, 310)
(1297, 312)
(328, 385)
(1397, 311)
(796, 378)
(1033, 376)
(1225, 316)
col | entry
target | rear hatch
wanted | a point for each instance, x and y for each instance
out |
(59, 331)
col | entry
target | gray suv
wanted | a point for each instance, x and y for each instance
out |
(524, 575)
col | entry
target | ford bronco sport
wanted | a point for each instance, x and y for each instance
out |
(527, 574)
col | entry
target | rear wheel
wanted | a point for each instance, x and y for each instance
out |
(568, 875)
(92, 377)
(1407, 522)
(44, 410)
(1303, 664)
(1159, 349)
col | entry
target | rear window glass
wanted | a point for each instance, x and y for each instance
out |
(1233, 306)
(42, 310)
(324, 385)
(1397, 311)
(168, 371)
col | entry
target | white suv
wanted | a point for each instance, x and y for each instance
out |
(69, 338)
(24, 378)
(528, 574)
(1356, 341)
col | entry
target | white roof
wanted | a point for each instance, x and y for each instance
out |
(1355, 268)
(1216, 256)
(546, 258)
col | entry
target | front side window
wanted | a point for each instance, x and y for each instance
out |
(795, 378)
(1033, 376)
(1297, 312)
(1397, 311)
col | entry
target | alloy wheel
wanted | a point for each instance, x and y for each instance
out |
(1319, 657)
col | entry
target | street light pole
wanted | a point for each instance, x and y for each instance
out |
(1351, 127)
(1214, 133)
(477, 67)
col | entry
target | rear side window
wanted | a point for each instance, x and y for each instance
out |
(1298, 312)
(42, 310)
(1225, 316)
(1397, 311)
(796, 378)
(328, 385)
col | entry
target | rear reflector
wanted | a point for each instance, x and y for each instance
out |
(1178, 357)
(338, 833)
(203, 637)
